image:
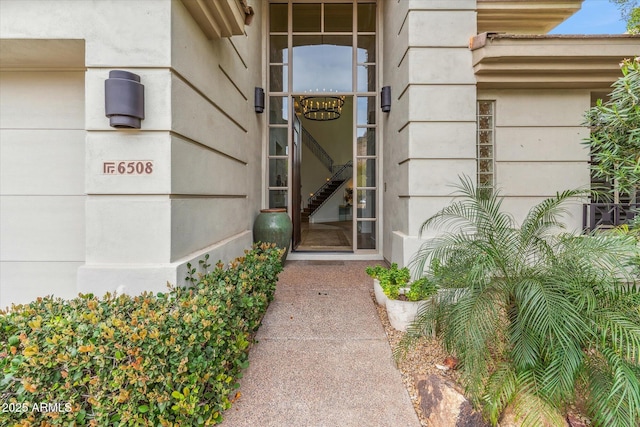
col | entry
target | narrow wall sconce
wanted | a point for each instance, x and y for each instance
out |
(124, 99)
(385, 99)
(259, 100)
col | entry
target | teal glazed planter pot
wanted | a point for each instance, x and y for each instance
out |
(274, 226)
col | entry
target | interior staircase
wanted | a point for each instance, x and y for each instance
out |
(319, 199)
(323, 193)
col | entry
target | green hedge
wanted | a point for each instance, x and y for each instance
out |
(155, 359)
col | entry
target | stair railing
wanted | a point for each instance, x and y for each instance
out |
(317, 149)
(342, 174)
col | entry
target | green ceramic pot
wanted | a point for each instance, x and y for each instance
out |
(274, 226)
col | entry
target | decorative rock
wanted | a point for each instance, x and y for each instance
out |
(443, 405)
(575, 421)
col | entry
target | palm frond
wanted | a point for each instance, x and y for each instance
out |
(477, 211)
(619, 330)
(545, 216)
(501, 389)
(614, 390)
(527, 309)
(534, 411)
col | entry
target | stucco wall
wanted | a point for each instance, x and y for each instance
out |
(211, 142)
(42, 199)
(214, 121)
(429, 135)
(200, 132)
(538, 150)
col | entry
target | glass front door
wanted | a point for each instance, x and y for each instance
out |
(323, 146)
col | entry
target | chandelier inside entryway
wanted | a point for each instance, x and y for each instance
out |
(321, 106)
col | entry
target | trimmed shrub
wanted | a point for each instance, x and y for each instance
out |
(170, 359)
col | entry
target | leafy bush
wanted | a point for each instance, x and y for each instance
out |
(394, 281)
(391, 279)
(532, 314)
(375, 272)
(156, 359)
(614, 140)
(421, 289)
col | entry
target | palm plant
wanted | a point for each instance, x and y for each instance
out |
(533, 314)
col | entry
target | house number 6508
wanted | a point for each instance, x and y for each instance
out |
(128, 168)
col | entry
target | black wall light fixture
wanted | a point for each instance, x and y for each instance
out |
(124, 99)
(259, 100)
(385, 99)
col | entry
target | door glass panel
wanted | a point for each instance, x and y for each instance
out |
(366, 49)
(277, 198)
(366, 202)
(322, 63)
(366, 110)
(278, 172)
(366, 173)
(366, 78)
(278, 18)
(278, 110)
(338, 17)
(278, 49)
(366, 234)
(366, 142)
(278, 81)
(306, 17)
(367, 17)
(278, 142)
(314, 50)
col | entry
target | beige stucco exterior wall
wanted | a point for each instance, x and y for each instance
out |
(429, 135)
(200, 131)
(538, 150)
(42, 219)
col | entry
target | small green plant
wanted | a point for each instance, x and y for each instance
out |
(375, 272)
(421, 289)
(391, 279)
(191, 271)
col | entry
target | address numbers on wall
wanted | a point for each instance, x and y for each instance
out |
(128, 167)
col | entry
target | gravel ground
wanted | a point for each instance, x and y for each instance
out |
(420, 359)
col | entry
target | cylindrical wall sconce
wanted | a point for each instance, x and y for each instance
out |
(259, 100)
(124, 99)
(385, 99)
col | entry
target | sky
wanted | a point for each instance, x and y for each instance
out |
(595, 17)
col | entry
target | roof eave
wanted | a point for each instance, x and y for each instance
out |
(587, 62)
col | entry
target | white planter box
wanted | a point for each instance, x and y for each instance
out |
(402, 313)
(381, 298)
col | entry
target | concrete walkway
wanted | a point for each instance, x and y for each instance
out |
(322, 357)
